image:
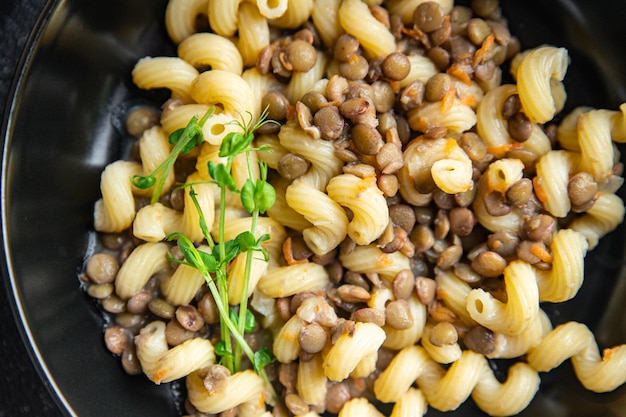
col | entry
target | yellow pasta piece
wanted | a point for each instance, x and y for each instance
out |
(144, 261)
(507, 346)
(553, 173)
(359, 407)
(239, 388)
(285, 346)
(172, 73)
(223, 16)
(311, 381)
(410, 404)
(181, 17)
(329, 220)
(296, 13)
(253, 32)
(183, 285)
(521, 308)
(370, 259)
(272, 9)
(325, 18)
(366, 202)
(575, 340)
(457, 118)
(405, 8)
(208, 50)
(374, 37)
(604, 217)
(292, 279)
(398, 339)
(115, 211)
(161, 363)
(350, 348)
(539, 74)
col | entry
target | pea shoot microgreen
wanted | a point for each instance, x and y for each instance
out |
(184, 140)
(257, 196)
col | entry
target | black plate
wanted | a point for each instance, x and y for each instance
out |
(61, 131)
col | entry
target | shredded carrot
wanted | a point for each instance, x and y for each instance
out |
(288, 253)
(502, 149)
(456, 71)
(448, 100)
(539, 191)
(541, 253)
(608, 352)
(479, 56)
(469, 100)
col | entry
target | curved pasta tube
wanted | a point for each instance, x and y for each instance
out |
(253, 32)
(422, 68)
(227, 89)
(359, 407)
(357, 20)
(498, 177)
(367, 203)
(154, 222)
(272, 9)
(553, 173)
(535, 75)
(236, 389)
(596, 129)
(507, 346)
(282, 212)
(453, 291)
(443, 390)
(289, 280)
(565, 278)
(154, 148)
(606, 214)
(296, 13)
(261, 84)
(350, 348)
(161, 363)
(285, 346)
(493, 127)
(398, 339)
(311, 381)
(326, 20)
(223, 16)
(172, 73)
(182, 286)
(115, 211)
(181, 17)
(144, 261)
(521, 308)
(410, 404)
(575, 340)
(457, 117)
(567, 131)
(320, 153)
(329, 220)
(441, 160)
(204, 50)
(370, 259)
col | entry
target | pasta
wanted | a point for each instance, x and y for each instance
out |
(396, 231)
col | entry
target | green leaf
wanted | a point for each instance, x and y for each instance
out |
(142, 181)
(250, 322)
(222, 350)
(235, 143)
(222, 177)
(175, 136)
(246, 241)
(262, 358)
(265, 196)
(247, 196)
(209, 261)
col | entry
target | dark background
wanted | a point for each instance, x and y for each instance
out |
(22, 392)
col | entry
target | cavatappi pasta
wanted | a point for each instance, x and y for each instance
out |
(427, 204)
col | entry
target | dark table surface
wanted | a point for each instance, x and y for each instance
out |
(22, 392)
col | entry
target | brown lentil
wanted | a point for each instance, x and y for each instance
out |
(520, 192)
(355, 107)
(116, 339)
(489, 264)
(353, 294)
(175, 334)
(314, 100)
(336, 396)
(366, 139)
(161, 308)
(383, 96)
(485, 8)
(113, 304)
(477, 30)
(581, 188)
(312, 338)
(425, 289)
(141, 119)
(301, 55)
(138, 303)
(437, 87)
(369, 315)
(329, 122)
(539, 227)
(428, 16)
(443, 334)
(128, 320)
(100, 291)
(403, 284)
(503, 242)
(354, 69)
(130, 361)
(346, 46)
(102, 268)
(396, 66)
(398, 315)
(440, 57)
(480, 340)
(511, 106)
(277, 106)
(495, 204)
(296, 405)
(449, 257)
(520, 128)
(466, 273)
(189, 317)
(402, 215)
(292, 166)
